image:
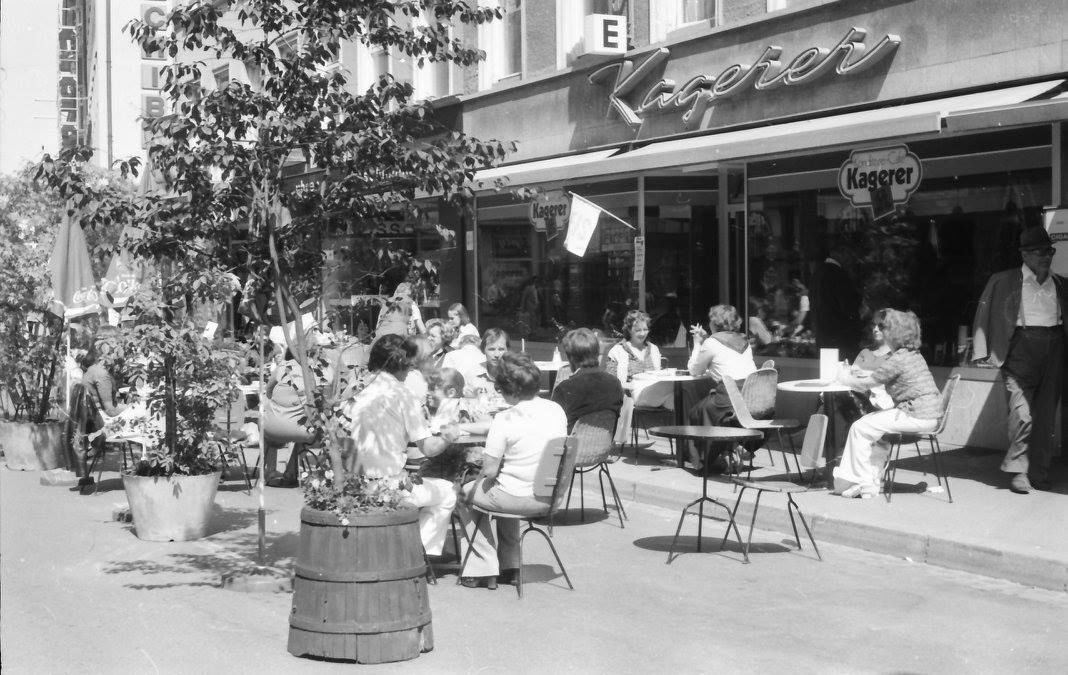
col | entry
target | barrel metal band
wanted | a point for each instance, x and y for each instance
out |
(360, 627)
(316, 574)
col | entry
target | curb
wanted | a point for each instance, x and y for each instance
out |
(1018, 567)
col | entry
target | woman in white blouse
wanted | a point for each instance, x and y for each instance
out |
(720, 353)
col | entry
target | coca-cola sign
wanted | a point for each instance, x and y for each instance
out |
(634, 101)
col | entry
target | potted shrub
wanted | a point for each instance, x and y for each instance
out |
(359, 590)
(31, 338)
(183, 380)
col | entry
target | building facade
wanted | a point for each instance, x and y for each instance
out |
(747, 143)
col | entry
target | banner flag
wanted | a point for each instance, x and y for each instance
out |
(581, 224)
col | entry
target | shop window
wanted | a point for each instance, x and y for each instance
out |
(932, 255)
(668, 15)
(533, 288)
(502, 41)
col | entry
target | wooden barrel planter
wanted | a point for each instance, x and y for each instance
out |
(359, 592)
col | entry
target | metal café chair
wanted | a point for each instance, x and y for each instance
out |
(782, 427)
(897, 440)
(593, 433)
(815, 435)
(550, 486)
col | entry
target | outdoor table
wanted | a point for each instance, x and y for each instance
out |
(678, 380)
(712, 436)
(456, 460)
(552, 368)
(828, 392)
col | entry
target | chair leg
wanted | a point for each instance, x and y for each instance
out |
(936, 450)
(470, 548)
(615, 495)
(793, 451)
(893, 456)
(532, 528)
(732, 523)
(582, 496)
(570, 487)
(791, 503)
(431, 575)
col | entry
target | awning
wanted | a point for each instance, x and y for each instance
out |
(1054, 109)
(566, 167)
(985, 110)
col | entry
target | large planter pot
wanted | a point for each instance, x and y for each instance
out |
(360, 591)
(171, 508)
(29, 446)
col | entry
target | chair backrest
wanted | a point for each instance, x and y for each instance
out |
(815, 437)
(759, 391)
(947, 401)
(594, 433)
(741, 410)
(770, 363)
(553, 476)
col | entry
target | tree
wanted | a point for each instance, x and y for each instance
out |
(220, 155)
(31, 336)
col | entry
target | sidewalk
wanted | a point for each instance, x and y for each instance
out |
(987, 530)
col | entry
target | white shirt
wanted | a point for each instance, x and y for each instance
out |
(471, 363)
(718, 360)
(518, 436)
(1038, 302)
(466, 329)
(386, 417)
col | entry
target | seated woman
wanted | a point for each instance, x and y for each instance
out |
(634, 355)
(869, 358)
(282, 411)
(917, 407)
(460, 321)
(515, 444)
(99, 384)
(589, 389)
(723, 353)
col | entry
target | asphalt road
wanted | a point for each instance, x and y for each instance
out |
(81, 594)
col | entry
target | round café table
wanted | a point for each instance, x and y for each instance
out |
(710, 436)
(828, 393)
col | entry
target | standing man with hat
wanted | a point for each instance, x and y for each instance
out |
(1020, 326)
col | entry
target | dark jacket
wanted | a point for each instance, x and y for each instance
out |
(589, 390)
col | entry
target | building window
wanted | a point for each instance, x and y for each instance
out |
(503, 43)
(222, 76)
(433, 79)
(667, 15)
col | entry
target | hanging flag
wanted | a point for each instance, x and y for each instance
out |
(581, 224)
(73, 287)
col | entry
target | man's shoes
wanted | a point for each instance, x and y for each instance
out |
(1020, 485)
(489, 582)
(508, 577)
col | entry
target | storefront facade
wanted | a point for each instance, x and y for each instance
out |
(909, 141)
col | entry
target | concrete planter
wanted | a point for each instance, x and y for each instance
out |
(171, 508)
(28, 446)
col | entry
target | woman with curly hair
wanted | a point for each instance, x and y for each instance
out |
(724, 352)
(917, 407)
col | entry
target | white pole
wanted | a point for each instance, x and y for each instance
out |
(262, 514)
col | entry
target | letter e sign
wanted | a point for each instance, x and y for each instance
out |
(606, 34)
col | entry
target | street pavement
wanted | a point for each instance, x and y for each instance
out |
(81, 594)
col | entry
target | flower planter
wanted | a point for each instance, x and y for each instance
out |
(171, 508)
(28, 446)
(359, 592)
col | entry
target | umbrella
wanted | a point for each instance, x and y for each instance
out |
(125, 274)
(74, 289)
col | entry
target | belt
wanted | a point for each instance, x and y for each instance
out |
(1041, 329)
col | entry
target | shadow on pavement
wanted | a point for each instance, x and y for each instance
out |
(235, 554)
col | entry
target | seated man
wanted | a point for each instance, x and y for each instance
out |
(386, 418)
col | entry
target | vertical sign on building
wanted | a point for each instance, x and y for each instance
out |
(152, 104)
(70, 100)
